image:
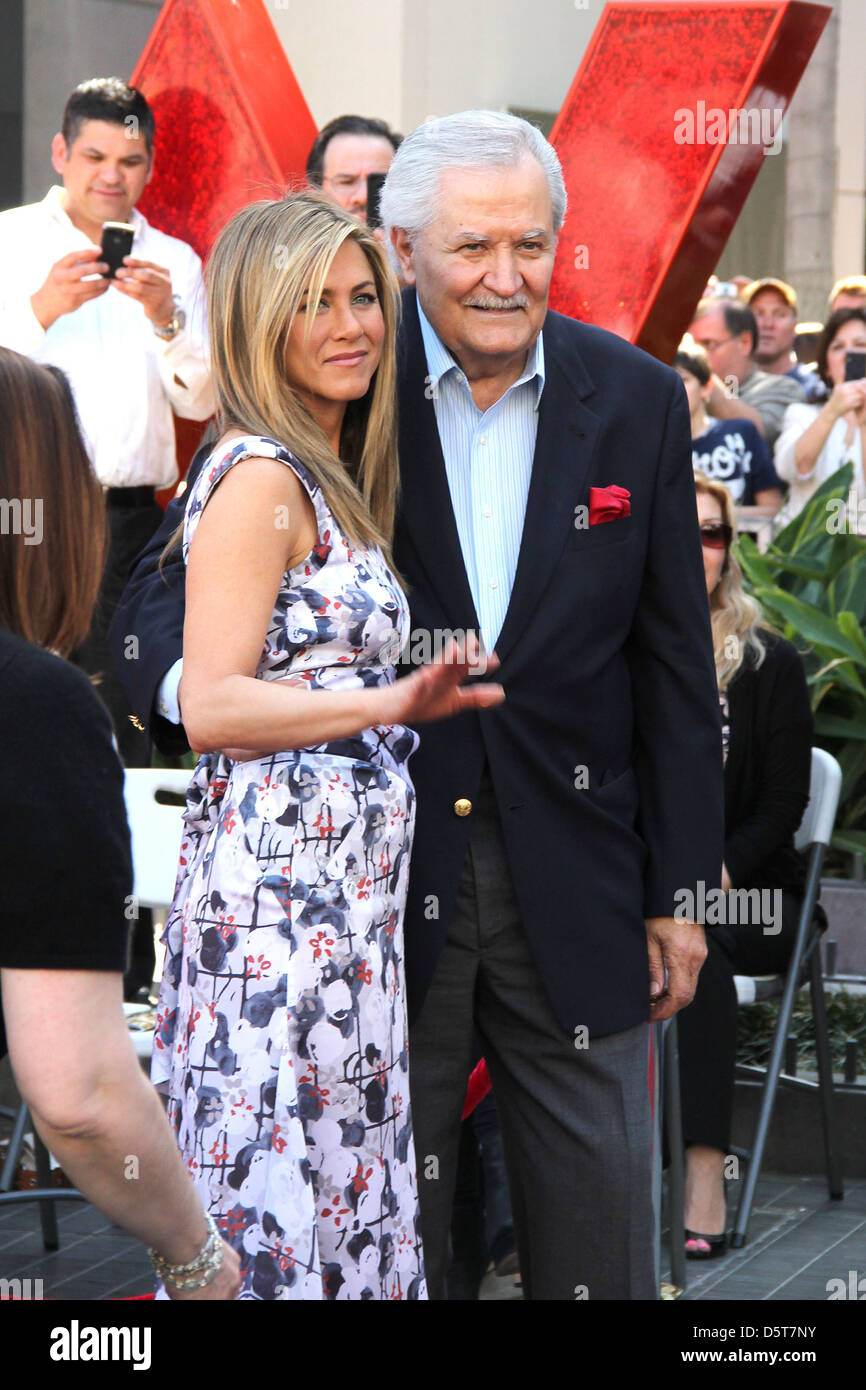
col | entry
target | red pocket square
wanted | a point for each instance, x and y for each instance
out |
(607, 503)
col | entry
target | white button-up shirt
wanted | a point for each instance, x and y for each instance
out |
(488, 462)
(124, 378)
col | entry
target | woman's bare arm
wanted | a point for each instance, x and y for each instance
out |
(76, 1068)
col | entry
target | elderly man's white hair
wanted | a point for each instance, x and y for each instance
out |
(466, 140)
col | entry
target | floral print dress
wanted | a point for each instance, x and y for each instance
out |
(281, 1029)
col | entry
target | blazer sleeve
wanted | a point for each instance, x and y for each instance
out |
(785, 740)
(146, 632)
(678, 744)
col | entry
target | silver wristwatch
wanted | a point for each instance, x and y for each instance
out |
(173, 327)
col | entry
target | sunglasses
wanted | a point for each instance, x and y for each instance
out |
(716, 535)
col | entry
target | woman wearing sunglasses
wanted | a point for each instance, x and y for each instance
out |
(766, 739)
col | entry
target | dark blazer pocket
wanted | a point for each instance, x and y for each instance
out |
(617, 796)
(612, 783)
(602, 533)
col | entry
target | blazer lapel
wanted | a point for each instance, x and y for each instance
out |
(564, 447)
(426, 515)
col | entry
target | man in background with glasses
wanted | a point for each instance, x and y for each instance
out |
(344, 153)
(728, 333)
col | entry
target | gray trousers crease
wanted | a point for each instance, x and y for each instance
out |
(576, 1122)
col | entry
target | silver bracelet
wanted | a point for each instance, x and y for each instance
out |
(206, 1263)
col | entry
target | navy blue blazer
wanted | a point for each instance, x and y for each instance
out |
(606, 754)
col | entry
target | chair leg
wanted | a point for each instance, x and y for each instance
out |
(825, 1077)
(676, 1169)
(13, 1153)
(657, 1175)
(777, 1052)
(47, 1213)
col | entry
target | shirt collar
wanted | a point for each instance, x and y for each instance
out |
(53, 204)
(440, 361)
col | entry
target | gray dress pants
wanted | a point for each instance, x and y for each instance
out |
(576, 1121)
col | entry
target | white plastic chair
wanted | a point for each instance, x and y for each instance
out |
(156, 828)
(154, 808)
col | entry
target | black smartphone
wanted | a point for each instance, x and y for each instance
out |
(855, 366)
(116, 243)
(374, 193)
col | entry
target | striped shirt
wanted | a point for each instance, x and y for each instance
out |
(488, 463)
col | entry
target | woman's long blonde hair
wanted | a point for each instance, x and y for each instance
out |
(260, 266)
(736, 618)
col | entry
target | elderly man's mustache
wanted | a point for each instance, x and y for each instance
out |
(492, 301)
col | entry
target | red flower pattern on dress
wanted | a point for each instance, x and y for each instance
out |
(321, 945)
(359, 1180)
(257, 967)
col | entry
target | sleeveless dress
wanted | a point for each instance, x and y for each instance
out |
(281, 1032)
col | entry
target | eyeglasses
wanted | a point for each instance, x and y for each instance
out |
(716, 535)
(710, 344)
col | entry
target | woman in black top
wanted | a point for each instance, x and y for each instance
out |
(767, 739)
(65, 866)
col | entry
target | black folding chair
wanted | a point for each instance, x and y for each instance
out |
(44, 1193)
(813, 837)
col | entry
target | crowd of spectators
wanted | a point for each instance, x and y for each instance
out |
(777, 405)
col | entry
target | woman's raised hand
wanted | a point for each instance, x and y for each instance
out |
(847, 396)
(438, 690)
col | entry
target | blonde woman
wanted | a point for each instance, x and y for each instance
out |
(282, 1024)
(766, 738)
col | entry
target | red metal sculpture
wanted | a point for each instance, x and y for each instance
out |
(232, 124)
(661, 137)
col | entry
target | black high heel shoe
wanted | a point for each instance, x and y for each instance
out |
(717, 1245)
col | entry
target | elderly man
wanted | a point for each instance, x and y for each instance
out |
(547, 501)
(728, 333)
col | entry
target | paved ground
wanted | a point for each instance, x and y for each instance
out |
(799, 1241)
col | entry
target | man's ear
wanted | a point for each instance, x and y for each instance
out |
(403, 251)
(58, 153)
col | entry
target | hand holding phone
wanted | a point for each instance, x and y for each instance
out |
(116, 243)
(73, 280)
(855, 366)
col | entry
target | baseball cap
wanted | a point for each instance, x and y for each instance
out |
(788, 293)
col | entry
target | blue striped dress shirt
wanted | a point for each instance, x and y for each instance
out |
(488, 462)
